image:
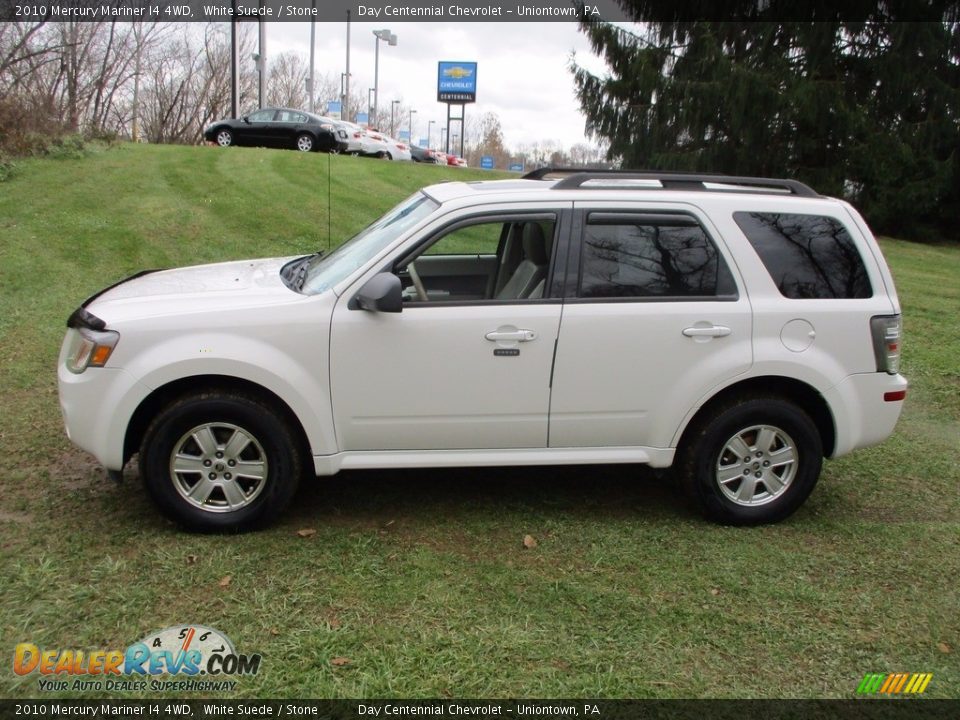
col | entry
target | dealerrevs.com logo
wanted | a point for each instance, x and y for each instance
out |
(181, 653)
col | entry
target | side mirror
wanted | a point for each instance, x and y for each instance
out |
(382, 293)
(246, 119)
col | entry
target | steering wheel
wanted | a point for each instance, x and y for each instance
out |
(417, 282)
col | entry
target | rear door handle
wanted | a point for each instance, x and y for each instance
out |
(709, 331)
(514, 335)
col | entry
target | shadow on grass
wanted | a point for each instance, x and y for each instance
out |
(472, 494)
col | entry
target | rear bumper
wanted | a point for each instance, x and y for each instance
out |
(862, 416)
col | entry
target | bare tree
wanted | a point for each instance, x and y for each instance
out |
(287, 85)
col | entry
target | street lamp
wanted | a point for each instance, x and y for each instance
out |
(430, 125)
(411, 125)
(391, 39)
(370, 113)
(393, 105)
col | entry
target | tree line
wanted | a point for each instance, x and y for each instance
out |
(159, 82)
(865, 109)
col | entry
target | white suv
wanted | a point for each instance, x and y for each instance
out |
(740, 329)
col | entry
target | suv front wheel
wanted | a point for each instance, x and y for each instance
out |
(752, 461)
(220, 460)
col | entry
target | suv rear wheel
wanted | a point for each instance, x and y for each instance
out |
(752, 461)
(220, 460)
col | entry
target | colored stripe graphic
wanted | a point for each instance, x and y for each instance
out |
(894, 683)
(870, 683)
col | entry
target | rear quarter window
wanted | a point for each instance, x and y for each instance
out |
(807, 256)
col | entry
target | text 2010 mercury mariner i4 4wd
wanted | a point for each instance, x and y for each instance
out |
(738, 329)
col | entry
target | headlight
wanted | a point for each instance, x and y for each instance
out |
(90, 348)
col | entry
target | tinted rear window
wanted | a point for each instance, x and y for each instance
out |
(650, 256)
(808, 256)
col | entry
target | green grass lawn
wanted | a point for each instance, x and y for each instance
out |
(420, 578)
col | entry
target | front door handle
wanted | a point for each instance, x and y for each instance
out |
(707, 331)
(511, 335)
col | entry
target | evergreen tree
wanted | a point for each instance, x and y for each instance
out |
(868, 109)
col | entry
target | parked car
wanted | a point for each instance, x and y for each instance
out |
(737, 329)
(454, 161)
(397, 150)
(342, 133)
(354, 137)
(277, 127)
(425, 155)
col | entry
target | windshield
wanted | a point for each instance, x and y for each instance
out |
(322, 273)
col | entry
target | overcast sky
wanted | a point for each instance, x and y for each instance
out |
(522, 72)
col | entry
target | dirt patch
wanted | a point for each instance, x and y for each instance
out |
(15, 517)
(74, 469)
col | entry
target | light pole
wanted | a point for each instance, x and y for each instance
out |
(344, 89)
(393, 105)
(313, 41)
(262, 59)
(411, 125)
(370, 113)
(391, 39)
(345, 105)
(430, 125)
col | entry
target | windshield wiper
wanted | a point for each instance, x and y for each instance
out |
(301, 272)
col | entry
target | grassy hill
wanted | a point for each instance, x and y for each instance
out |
(419, 579)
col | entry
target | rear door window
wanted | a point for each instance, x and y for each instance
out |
(651, 255)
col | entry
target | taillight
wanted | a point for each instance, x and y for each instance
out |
(886, 332)
(401, 146)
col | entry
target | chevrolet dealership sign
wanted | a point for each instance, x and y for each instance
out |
(456, 82)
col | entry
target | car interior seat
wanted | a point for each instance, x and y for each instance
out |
(532, 268)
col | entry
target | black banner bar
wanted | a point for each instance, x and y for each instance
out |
(379, 11)
(862, 709)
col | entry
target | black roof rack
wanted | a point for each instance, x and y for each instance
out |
(570, 178)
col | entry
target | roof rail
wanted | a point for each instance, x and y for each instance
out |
(571, 178)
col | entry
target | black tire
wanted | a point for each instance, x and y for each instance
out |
(769, 487)
(306, 142)
(224, 137)
(271, 451)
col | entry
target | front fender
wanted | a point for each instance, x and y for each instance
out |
(300, 379)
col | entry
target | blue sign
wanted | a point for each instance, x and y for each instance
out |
(361, 118)
(334, 108)
(456, 82)
(516, 167)
(423, 142)
(404, 135)
(486, 162)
